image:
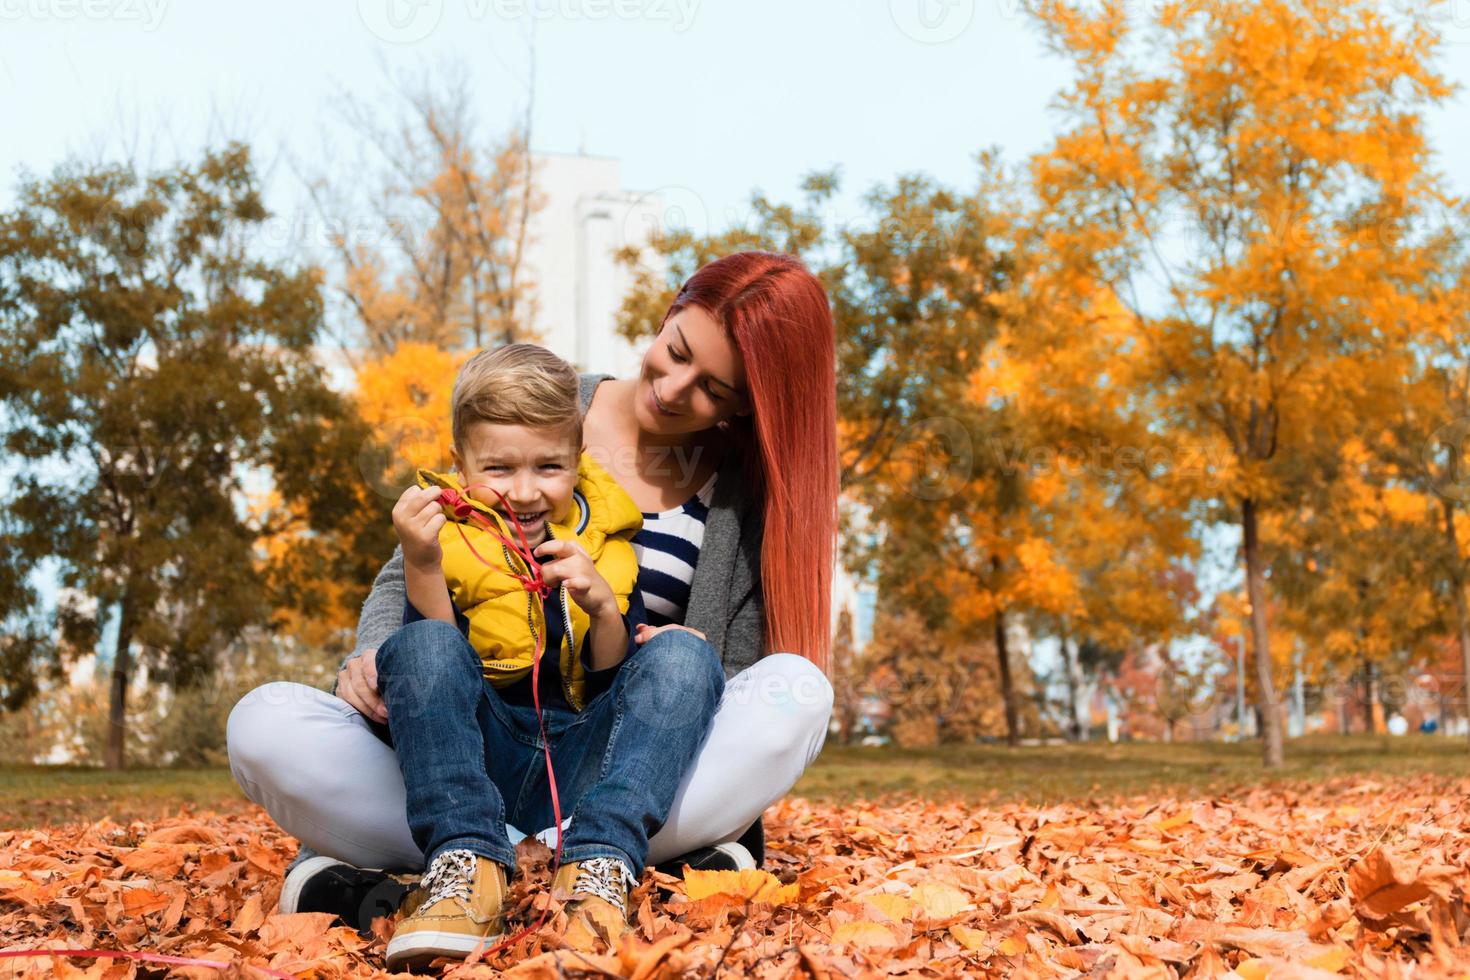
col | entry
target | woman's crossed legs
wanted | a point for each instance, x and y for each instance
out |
(314, 764)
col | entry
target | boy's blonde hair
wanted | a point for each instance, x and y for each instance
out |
(518, 384)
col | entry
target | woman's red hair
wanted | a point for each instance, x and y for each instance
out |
(777, 315)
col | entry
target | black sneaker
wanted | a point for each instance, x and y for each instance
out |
(719, 857)
(355, 895)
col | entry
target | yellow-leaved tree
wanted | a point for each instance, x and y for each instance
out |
(1254, 190)
(428, 231)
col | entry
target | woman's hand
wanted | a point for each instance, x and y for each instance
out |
(357, 684)
(646, 632)
(571, 566)
(417, 517)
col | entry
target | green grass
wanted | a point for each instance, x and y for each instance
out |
(1045, 774)
(32, 796)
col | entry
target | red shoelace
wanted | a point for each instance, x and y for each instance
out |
(533, 582)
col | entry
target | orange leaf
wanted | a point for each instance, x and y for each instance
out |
(941, 901)
(869, 934)
(141, 901)
(1383, 885)
(250, 916)
(296, 930)
(972, 939)
(890, 906)
(162, 861)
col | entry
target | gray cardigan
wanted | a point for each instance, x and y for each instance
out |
(724, 600)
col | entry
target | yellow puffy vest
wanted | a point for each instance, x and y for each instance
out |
(502, 614)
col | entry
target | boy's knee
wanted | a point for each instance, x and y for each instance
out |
(425, 650)
(674, 682)
(680, 660)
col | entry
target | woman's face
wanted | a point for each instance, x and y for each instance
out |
(692, 379)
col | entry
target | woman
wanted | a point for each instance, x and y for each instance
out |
(727, 442)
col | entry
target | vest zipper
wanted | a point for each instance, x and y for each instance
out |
(563, 668)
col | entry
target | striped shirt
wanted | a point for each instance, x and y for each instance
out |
(667, 549)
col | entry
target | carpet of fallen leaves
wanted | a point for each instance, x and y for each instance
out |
(1350, 878)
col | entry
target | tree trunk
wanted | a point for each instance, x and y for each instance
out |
(1372, 700)
(1462, 615)
(1007, 686)
(1074, 685)
(117, 706)
(1255, 581)
(844, 684)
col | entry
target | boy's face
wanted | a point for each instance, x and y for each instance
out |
(535, 469)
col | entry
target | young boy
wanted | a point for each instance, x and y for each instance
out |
(517, 429)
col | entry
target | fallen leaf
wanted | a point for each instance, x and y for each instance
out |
(746, 885)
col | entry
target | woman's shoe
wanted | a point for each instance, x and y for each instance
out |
(456, 909)
(748, 851)
(731, 856)
(355, 896)
(596, 891)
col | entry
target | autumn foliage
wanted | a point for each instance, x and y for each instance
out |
(1351, 878)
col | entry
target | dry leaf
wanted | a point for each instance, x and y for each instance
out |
(747, 886)
(941, 901)
(872, 935)
(1269, 882)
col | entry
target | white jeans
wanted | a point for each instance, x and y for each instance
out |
(311, 760)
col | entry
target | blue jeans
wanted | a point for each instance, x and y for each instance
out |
(471, 763)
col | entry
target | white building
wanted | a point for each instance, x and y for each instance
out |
(585, 217)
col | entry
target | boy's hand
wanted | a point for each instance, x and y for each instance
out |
(417, 517)
(644, 633)
(571, 566)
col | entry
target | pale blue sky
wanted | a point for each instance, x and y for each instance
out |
(703, 98)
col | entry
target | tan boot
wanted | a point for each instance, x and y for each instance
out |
(597, 912)
(455, 909)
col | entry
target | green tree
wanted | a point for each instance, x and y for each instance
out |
(152, 370)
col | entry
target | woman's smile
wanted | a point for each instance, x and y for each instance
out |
(658, 403)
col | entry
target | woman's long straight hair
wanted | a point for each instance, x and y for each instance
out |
(777, 315)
